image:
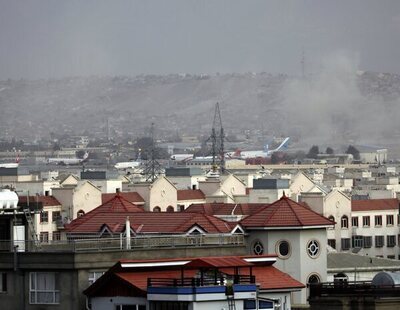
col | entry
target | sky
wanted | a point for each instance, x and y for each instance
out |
(55, 38)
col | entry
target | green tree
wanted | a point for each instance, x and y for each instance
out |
(329, 150)
(313, 152)
(353, 151)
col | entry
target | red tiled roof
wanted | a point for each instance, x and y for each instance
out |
(285, 213)
(218, 262)
(269, 278)
(226, 208)
(47, 201)
(146, 222)
(374, 204)
(132, 197)
(190, 194)
(139, 279)
(109, 213)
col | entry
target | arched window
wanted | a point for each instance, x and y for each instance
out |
(170, 209)
(313, 279)
(80, 213)
(332, 218)
(156, 209)
(344, 222)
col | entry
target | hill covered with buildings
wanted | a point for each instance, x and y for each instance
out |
(332, 105)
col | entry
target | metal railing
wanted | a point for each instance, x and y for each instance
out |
(345, 288)
(195, 282)
(95, 243)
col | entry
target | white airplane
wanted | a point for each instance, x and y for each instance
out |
(127, 165)
(182, 157)
(11, 165)
(256, 154)
(68, 161)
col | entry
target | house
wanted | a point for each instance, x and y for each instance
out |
(335, 206)
(47, 220)
(296, 234)
(187, 197)
(374, 227)
(224, 282)
(77, 200)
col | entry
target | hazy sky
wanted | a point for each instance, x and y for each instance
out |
(56, 38)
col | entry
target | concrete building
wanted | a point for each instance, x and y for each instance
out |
(226, 282)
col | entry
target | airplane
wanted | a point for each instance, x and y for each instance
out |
(127, 165)
(255, 154)
(11, 165)
(68, 161)
(182, 157)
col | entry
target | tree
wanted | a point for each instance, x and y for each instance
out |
(329, 151)
(313, 152)
(353, 151)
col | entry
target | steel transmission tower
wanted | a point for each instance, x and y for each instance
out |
(217, 141)
(152, 167)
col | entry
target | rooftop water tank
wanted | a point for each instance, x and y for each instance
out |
(385, 278)
(8, 199)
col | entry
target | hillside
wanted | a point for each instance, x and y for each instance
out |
(361, 105)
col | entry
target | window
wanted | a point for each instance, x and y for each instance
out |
(391, 241)
(130, 307)
(367, 241)
(44, 236)
(43, 288)
(344, 222)
(56, 235)
(379, 241)
(354, 221)
(282, 248)
(332, 243)
(389, 220)
(391, 256)
(170, 209)
(94, 276)
(366, 221)
(156, 209)
(345, 242)
(80, 213)
(357, 241)
(258, 248)
(250, 304)
(3, 282)
(181, 208)
(44, 217)
(56, 216)
(378, 220)
(313, 279)
(313, 248)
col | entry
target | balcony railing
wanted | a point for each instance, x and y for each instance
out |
(195, 282)
(95, 244)
(344, 288)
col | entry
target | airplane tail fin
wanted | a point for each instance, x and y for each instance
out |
(17, 158)
(86, 155)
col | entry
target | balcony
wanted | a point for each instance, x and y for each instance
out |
(93, 243)
(201, 289)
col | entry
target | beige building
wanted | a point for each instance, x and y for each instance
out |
(77, 200)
